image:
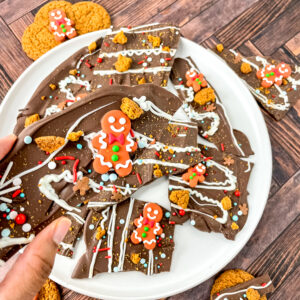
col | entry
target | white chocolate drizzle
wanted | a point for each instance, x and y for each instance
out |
(153, 70)
(74, 80)
(8, 241)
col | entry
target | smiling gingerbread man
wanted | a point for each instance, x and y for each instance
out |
(148, 226)
(114, 143)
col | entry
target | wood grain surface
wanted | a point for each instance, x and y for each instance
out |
(267, 27)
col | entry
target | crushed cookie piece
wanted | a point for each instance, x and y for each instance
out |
(234, 226)
(73, 72)
(246, 68)
(142, 80)
(131, 108)
(135, 258)
(226, 203)
(252, 294)
(43, 98)
(284, 81)
(92, 47)
(204, 96)
(123, 63)
(166, 48)
(52, 86)
(82, 185)
(244, 209)
(180, 197)
(157, 173)
(237, 59)
(220, 47)
(154, 40)
(31, 119)
(120, 38)
(62, 105)
(100, 233)
(74, 136)
(49, 143)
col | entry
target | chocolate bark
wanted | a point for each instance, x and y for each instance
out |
(107, 235)
(211, 117)
(276, 100)
(262, 284)
(44, 182)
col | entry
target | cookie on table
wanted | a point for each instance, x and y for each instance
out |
(236, 284)
(77, 19)
(48, 291)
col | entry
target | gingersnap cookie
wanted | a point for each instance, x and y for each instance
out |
(58, 21)
(37, 40)
(49, 291)
(89, 16)
(236, 284)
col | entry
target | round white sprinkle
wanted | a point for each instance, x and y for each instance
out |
(27, 140)
(145, 64)
(22, 208)
(26, 227)
(162, 235)
(193, 222)
(122, 221)
(116, 269)
(163, 255)
(92, 226)
(17, 181)
(51, 165)
(5, 232)
(3, 206)
(161, 60)
(13, 214)
(149, 59)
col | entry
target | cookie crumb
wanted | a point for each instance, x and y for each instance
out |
(49, 291)
(52, 86)
(180, 197)
(49, 143)
(154, 40)
(204, 96)
(135, 258)
(43, 98)
(157, 173)
(100, 233)
(123, 63)
(166, 48)
(31, 119)
(120, 38)
(252, 294)
(131, 109)
(226, 203)
(92, 47)
(234, 226)
(246, 68)
(220, 47)
(142, 80)
(74, 136)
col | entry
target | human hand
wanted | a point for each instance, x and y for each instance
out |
(24, 274)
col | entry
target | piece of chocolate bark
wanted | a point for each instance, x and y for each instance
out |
(52, 167)
(131, 236)
(273, 83)
(212, 194)
(142, 54)
(252, 289)
(202, 105)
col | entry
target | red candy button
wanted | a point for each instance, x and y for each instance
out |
(182, 212)
(237, 193)
(20, 219)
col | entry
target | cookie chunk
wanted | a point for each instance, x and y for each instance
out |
(48, 291)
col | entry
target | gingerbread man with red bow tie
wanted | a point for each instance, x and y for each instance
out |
(148, 226)
(114, 143)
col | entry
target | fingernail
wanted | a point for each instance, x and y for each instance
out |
(61, 228)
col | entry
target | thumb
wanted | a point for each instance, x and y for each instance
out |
(33, 267)
(6, 144)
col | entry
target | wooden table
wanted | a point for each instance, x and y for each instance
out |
(268, 27)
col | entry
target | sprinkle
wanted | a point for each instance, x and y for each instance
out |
(105, 177)
(17, 181)
(64, 158)
(157, 154)
(99, 60)
(75, 170)
(222, 147)
(110, 81)
(103, 249)
(163, 255)
(28, 140)
(79, 146)
(92, 226)
(139, 178)
(116, 269)
(122, 221)
(107, 256)
(106, 44)
(113, 177)
(142, 261)
(16, 193)
(171, 222)
(51, 165)
(167, 214)
(5, 232)
(131, 133)
(235, 218)
(140, 62)
(193, 223)
(22, 195)
(26, 227)
(168, 58)
(115, 189)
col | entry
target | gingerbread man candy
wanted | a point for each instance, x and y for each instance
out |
(195, 174)
(273, 75)
(114, 143)
(148, 226)
(195, 80)
(61, 26)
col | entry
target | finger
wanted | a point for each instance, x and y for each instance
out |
(6, 144)
(8, 265)
(33, 267)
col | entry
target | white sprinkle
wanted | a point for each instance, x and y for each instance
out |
(145, 64)
(193, 222)
(26, 227)
(13, 214)
(17, 181)
(92, 226)
(122, 221)
(161, 60)
(51, 165)
(149, 59)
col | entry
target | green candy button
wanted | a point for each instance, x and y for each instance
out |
(115, 157)
(62, 25)
(144, 234)
(115, 148)
(64, 30)
(146, 228)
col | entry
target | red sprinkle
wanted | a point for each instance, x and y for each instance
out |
(131, 133)
(182, 212)
(110, 81)
(237, 193)
(263, 284)
(139, 178)
(103, 249)
(40, 162)
(63, 162)
(106, 44)
(75, 170)
(129, 27)
(172, 222)
(207, 158)
(107, 256)
(222, 147)
(70, 101)
(118, 227)
(64, 157)
(100, 187)
(168, 58)
(140, 62)
(16, 193)
(99, 60)
(174, 213)
(115, 189)
(88, 65)
(157, 154)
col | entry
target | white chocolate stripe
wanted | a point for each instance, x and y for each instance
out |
(159, 162)
(77, 218)
(134, 29)
(4, 199)
(153, 70)
(110, 236)
(7, 170)
(8, 241)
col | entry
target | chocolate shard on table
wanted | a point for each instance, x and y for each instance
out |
(131, 236)
(89, 153)
(202, 105)
(255, 288)
(137, 55)
(212, 194)
(274, 84)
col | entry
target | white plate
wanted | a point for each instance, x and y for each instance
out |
(197, 255)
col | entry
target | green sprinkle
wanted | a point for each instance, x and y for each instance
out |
(62, 25)
(191, 177)
(115, 157)
(146, 228)
(272, 73)
(64, 30)
(194, 174)
(115, 148)
(144, 234)
(267, 75)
